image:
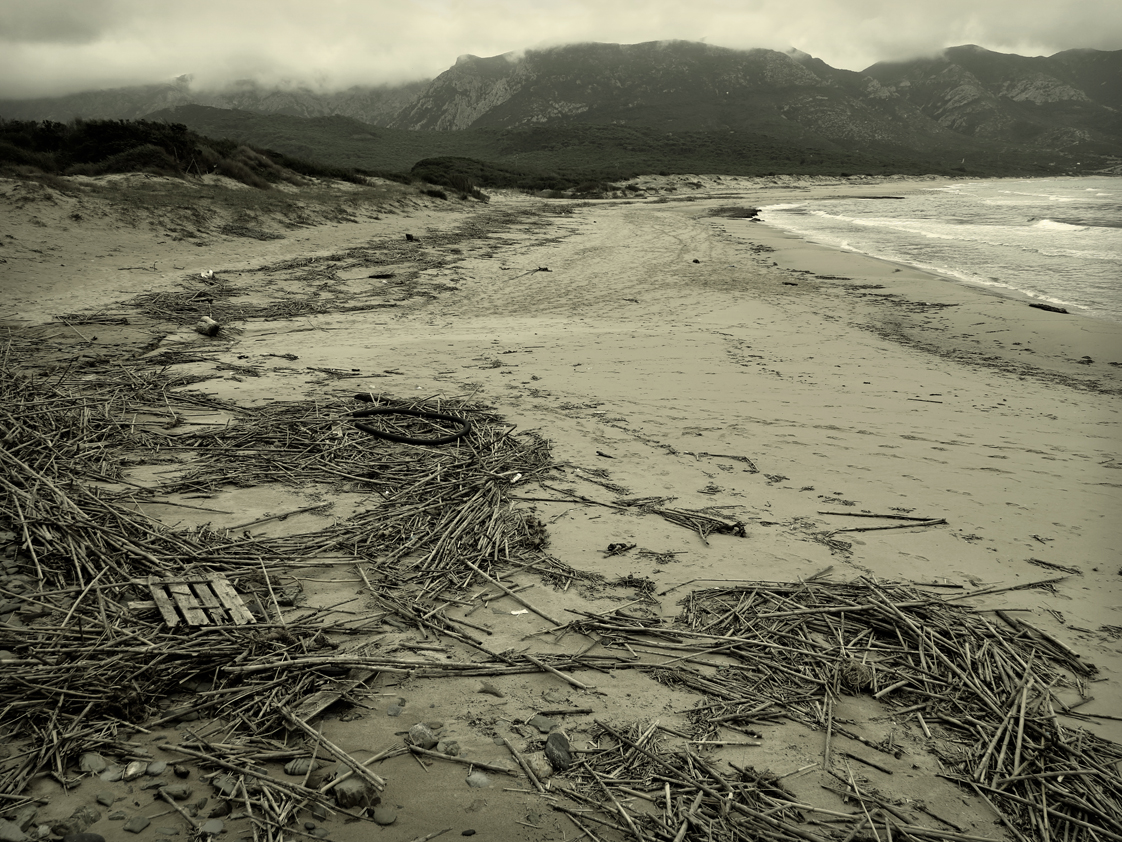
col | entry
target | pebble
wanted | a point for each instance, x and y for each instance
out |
(385, 815)
(134, 770)
(309, 825)
(137, 823)
(92, 762)
(421, 735)
(222, 808)
(491, 690)
(394, 710)
(212, 827)
(156, 768)
(320, 833)
(353, 792)
(180, 771)
(180, 792)
(449, 747)
(168, 830)
(299, 766)
(557, 751)
(112, 774)
(543, 723)
(225, 784)
(106, 799)
(478, 780)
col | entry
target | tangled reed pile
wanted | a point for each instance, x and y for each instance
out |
(791, 650)
(81, 665)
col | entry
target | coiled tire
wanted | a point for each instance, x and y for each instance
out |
(465, 426)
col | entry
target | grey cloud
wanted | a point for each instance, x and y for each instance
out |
(55, 21)
(56, 46)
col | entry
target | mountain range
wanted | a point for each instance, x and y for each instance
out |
(967, 104)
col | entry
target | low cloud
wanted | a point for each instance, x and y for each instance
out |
(50, 47)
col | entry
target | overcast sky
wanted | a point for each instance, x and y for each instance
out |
(60, 46)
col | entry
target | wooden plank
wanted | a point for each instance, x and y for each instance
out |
(321, 701)
(233, 602)
(185, 600)
(210, 602)
(166, 606)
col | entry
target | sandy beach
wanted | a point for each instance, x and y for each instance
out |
(667, 348)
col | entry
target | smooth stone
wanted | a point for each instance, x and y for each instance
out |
(156, 768)
(543, 723)
(320, 833)
(92, 762)
(113, 774)
(385, 815)
(299, 766)
(478, 780)
(136, 824)
(212, 827)
(180, 792)
(134, 770)
(181, 771)
(117, 816)
(557, 750)
(225, 784)
(168, 830)
(309, 825)
(106, 799)
(353, 792)
(222, 808)
(394, 710)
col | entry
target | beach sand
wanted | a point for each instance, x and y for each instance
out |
(666, 349)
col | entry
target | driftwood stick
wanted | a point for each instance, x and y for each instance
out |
(490, 767)
(359, 769)
(190, 821)
(547, 668)
(915, 524)
(525, 766)
(523, 602)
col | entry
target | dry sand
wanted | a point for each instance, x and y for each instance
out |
(665, 352)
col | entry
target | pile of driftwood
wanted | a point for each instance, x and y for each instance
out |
(789, 651)
(88, 662)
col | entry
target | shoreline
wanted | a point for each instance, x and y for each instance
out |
(1053, 344)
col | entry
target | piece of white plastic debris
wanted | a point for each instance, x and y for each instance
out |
(520, 611)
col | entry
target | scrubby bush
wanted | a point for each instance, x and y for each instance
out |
(99, 147)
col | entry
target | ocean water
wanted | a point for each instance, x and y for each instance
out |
(1057, 240)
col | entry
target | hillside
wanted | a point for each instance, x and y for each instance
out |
(607, 110)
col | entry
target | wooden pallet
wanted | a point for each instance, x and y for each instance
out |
(199, 601)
